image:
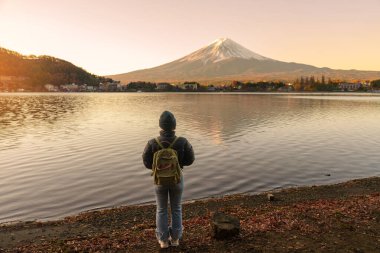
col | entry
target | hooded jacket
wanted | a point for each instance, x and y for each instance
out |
(167, 123)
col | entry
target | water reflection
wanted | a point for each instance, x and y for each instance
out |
(220, 116)
(24, 114)
(66, 153)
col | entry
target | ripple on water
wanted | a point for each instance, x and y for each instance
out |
(66, 153)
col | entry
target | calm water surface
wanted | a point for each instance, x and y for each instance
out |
(61, 154)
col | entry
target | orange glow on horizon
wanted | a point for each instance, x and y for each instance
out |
(113, 37)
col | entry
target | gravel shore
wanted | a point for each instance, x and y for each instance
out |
(343, 217)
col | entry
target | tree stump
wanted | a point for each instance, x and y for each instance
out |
(224, 226)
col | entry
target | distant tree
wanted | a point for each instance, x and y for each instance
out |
(312, 80)
(143, 86)
(250, 86)
(202, 88)
(375, 84)
(300, 86)
(326, 87)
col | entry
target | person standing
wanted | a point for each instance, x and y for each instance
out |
(173, 192)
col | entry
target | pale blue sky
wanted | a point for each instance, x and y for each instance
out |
(117, 36)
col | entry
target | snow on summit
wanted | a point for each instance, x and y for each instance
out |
(220, 50)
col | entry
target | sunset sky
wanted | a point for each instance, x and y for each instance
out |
(118, 36)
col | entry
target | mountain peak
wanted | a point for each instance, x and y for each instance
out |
(221, 41)
(222, 49)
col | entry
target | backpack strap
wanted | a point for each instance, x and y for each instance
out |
(171, 145)
(159, 143)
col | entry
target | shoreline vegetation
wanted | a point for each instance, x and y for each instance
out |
(343, 217)
(14, 84)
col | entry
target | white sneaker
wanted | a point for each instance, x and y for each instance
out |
(174, 243)
(163, 244)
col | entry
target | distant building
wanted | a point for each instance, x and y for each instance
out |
(112, 87)
(69, 87)
(51, 87)
(82, 87)
(189, 86)
(102, 87)
(90, 88)
(211, 88)
(287, 88)
(163, 86)
(350, 86)
(109, 86)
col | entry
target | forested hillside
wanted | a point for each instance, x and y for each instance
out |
(33, 72)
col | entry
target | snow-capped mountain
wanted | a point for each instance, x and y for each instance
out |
(226, 60)
(222, 49)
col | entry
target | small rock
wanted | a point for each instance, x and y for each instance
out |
(270, 197)
(224, 226)
(327, 175)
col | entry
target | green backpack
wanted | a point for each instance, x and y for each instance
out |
(166, 169)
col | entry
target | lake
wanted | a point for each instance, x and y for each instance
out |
(61, 154)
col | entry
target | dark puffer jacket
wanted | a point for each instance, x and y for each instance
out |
(182, 146)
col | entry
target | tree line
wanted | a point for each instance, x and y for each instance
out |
(188, 86)
(310, 83)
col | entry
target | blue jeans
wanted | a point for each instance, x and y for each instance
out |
(174, 192)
